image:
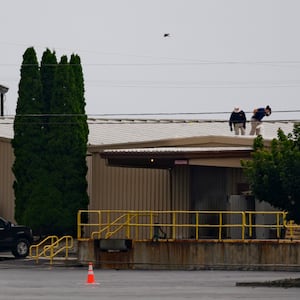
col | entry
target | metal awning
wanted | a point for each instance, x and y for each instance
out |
(168, 157)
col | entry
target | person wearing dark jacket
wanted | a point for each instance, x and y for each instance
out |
(237, 121)
(256, 120)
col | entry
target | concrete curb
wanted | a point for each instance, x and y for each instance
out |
(285, 283)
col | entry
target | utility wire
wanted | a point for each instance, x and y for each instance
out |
(185, 63)
(134, 118)
(146, 114)
(140, 121)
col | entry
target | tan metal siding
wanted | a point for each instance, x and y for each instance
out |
(128, 188)
(232, 162)
(120, 188)
(209, 193)
(181, 198)
(234, 176)
(209, 187)
(181, 188)
(89, 174)
(6, 181)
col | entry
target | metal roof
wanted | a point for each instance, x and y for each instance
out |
(124, 131)
(168, 157)
(174, 150)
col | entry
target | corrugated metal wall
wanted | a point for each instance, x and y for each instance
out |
(120, 188)
(128, 188)
(234, 177)
(181, 188)
(211, 188)
(7, 203)
(193, 188)
(208, 188)
(181, 199)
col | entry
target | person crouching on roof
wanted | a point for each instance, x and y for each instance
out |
(237, 121)
(256, 120)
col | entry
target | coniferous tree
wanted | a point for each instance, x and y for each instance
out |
(50, 171)
(48, 69)
(41, 206)
(79, 94)
(67, 147)
(81, 131)
(27, 132)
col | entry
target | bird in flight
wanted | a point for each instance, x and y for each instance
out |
(166, 34)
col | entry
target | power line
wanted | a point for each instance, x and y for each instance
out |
(185, 63)
(145, 56)
(90, 116)
(145, 122)
(191, 84)
(199, 86)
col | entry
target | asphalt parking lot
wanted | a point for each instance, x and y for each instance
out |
(24, 279)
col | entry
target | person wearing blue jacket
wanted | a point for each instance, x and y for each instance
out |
(256, 120)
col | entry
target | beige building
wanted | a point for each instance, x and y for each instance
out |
(155, 164)
(6, 179)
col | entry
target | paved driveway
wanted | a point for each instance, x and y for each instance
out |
(22, 279)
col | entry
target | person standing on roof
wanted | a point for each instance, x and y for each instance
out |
(237, 121)
(256, 120)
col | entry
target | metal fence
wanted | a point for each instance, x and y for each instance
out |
(174, 225)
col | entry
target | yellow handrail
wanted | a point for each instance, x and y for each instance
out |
(115, 222)
(179, 224)
(67, 245)
(34, 250)
(51, 247)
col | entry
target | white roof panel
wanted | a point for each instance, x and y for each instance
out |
(119, 131)
(102, 133)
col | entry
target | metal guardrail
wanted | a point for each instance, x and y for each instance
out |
(144, 225)
(52, 246)
(292, 231)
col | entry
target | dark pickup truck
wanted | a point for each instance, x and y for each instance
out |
(15, 238)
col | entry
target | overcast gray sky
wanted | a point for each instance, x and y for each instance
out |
(220, 53)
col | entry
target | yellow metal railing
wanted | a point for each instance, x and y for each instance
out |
(119, 226)
(52, 246)
(143, 225)
(38, 250)
(292, 231)
(279, 224)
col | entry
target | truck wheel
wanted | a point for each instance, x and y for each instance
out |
(21, 249)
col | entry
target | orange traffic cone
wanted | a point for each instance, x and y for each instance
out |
(90, 277)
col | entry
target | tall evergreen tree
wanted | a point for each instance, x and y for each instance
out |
(41, 205)
(48, 69)
(67, 148)
(27, 132)
(50, 169)
(81, 131)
